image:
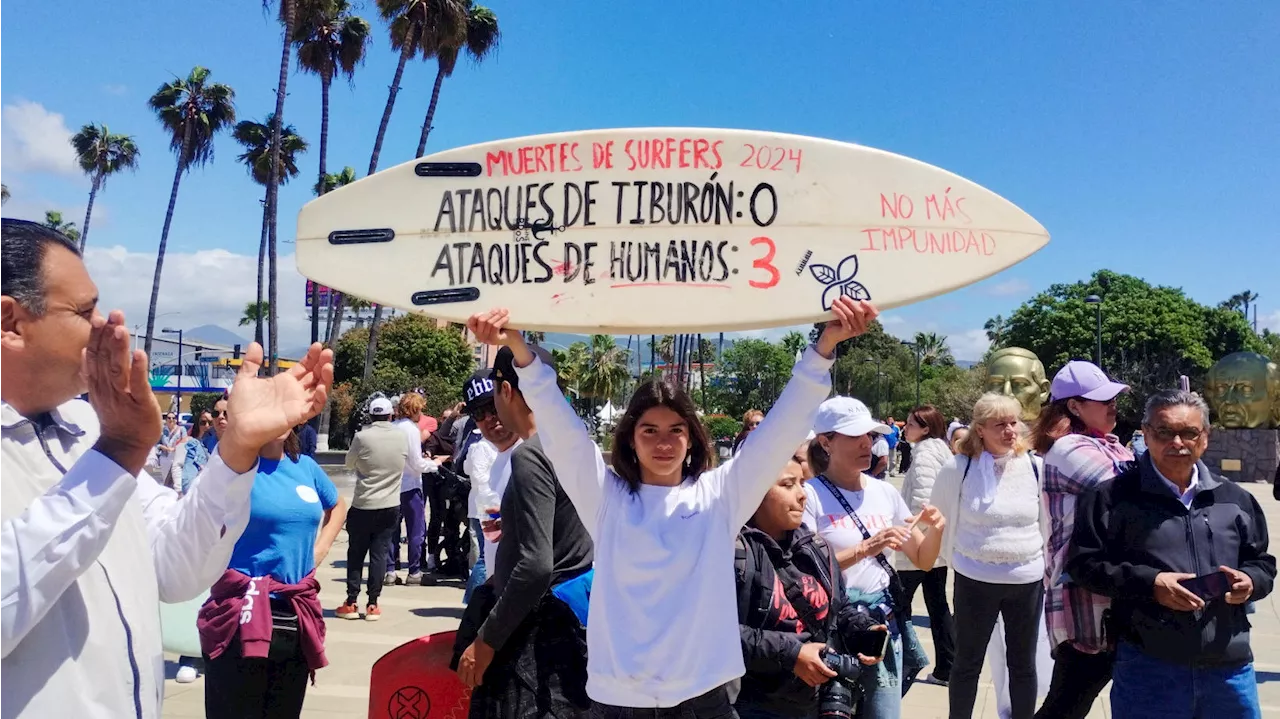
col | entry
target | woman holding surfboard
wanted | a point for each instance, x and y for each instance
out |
(664, 523)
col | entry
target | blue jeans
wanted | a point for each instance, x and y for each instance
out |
(479, 573)
(412, 509)
(1146, 688)
(880, 700)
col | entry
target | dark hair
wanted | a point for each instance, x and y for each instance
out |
(504, 367)
(819, 460)
(292, 446)
(931, 419)
(25, 244)
(1050, 415)
(658, 393)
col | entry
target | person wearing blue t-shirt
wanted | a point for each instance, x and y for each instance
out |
(295, 513)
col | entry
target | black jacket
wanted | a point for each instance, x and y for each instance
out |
(771, 629)
(1132, 528)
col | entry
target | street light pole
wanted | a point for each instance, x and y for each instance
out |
(178, 391)
(876, 362)
(915, 347)
(1096, 301)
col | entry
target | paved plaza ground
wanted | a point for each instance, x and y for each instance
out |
(342, 688)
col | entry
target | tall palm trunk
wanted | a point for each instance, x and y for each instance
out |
(405, 53)
(88, 212)
(273, 187)
(325, 81)
(262, 267)
(431, 113)
(702, 374)
(653, 354)
(164, 237)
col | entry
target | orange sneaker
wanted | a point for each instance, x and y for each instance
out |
(348, 611)
(372, 613)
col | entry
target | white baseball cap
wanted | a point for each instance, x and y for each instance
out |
(846, 416)
(380, 407)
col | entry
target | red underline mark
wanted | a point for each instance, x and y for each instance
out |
(713, 285)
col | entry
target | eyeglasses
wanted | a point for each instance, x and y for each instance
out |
(1187, 434)
(481, 414)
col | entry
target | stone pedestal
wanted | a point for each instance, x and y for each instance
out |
(1244, 455)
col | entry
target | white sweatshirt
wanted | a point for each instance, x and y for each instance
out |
(662, 624)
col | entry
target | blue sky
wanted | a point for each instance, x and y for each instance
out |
(1145, 137)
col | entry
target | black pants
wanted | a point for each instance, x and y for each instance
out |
(978, 604)
(1078, 679)
(368, 532)
(432, 485)
(240, 688)
(712, 705)
(940, 622)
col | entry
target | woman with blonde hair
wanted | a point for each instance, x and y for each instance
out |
(995, 545)
(750, 420)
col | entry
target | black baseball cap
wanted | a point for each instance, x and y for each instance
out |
(504, 365)
(478, 390)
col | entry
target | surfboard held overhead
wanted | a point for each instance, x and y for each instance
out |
(659, 230)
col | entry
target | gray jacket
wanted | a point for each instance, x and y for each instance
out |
(377, 454)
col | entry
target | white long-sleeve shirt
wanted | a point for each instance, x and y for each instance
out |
(663, 628)
(415, 464)
(87, 553)
(478, 464)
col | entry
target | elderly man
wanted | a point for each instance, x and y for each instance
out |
(89, 545)
(1179, 551)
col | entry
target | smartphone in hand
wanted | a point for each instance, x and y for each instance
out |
(868, 642)
(1208, 587)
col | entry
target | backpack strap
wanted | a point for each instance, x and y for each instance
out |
(740, 571)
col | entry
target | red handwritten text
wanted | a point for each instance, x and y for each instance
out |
(928, 242)
(667, 153)
(775, 159)
(534, 159)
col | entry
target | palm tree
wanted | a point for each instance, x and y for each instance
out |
(480, 39)
(100, 154)
(4, 193)
(535, 338)
(933, 349)
(53, 220)
(333, 180)
(254, 313)
(193, 111)
(997, 327)
(794, 343)
(330, 41)
(605, 370)
(416, 25)
(255, 137)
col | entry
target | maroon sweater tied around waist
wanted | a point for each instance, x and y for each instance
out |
(241, 604)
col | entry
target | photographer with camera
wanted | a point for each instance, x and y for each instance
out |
(799, 632)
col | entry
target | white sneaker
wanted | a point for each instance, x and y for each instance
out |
(186, 675)
(390, 580)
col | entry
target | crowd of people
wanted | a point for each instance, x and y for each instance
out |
(603, 587)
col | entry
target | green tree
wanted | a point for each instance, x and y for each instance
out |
(256, 137)
(605, 374)
(203, 402)
(101, 154)
(193, 111)
(53, 220)
(751, 374)
(331, 41)
(479, 37)
(933, 349)
(1270, 345)
(1150, 334)
(254, 314)
(794, 342)
(535, 338)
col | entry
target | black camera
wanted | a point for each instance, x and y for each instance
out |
(839, 697)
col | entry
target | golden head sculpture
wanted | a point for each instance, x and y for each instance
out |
(1019, 374)
(1243, 390)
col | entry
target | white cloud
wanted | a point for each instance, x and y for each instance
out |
(968, 345)
(34, 139)
(1270, 321)
(1008, 288)
(204, 287)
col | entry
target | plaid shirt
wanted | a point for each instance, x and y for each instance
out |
(1076, 464)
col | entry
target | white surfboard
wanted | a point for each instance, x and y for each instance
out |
(659, 230)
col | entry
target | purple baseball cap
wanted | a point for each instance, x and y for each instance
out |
(1085, 380)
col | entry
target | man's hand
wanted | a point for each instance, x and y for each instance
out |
(491, 328)
(849, 319)
(475, 662)
(1174, 596)
(120, 392)
(260, 409)
(491, 525)
(810, 667)
(1241, 585)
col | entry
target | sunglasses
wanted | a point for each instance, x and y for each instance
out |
(481, 414)
(206, 421)
(217, 413)
(1187, 434)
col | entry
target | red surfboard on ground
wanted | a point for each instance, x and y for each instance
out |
(413, 681)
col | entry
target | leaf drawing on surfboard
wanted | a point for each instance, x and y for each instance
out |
(839, 281)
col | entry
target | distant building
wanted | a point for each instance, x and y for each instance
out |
(205, 367)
